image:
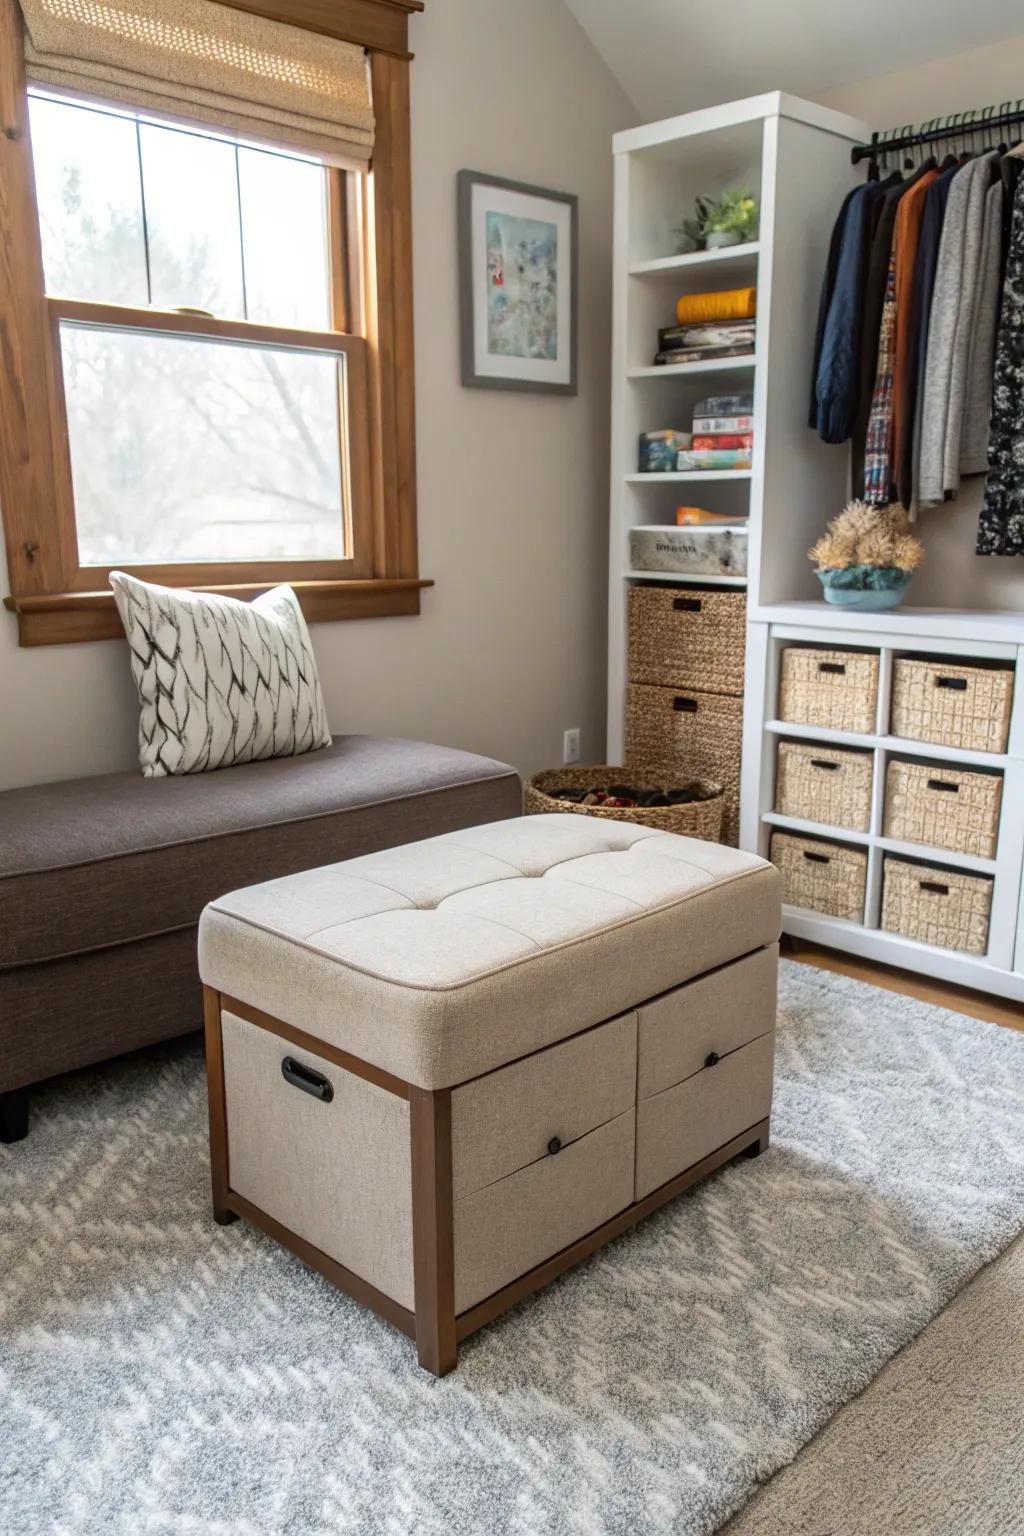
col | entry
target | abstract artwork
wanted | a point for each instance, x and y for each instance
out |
(517, 270)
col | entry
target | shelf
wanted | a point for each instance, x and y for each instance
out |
(894, 744)
(959, 627)
(692, 370)
(672, 477)
(687, 577)
(968, 862)
(691, 259)
(803, 827)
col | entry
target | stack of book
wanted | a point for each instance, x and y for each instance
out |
(698, 343)
(722, 436)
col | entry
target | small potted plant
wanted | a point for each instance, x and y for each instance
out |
(867, 556)
(727, 220)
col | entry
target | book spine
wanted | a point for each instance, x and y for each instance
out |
(711, 425)
(699, 354)
(743, 440)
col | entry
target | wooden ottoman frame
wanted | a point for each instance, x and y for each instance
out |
(434, 1324)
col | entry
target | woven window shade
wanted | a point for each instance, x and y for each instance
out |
(199, 62)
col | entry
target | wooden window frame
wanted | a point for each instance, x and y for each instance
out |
(369, 219)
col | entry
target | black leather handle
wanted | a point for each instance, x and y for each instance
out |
(959, 683)
(301, 1076)
(934, 885)
(817, 858)
(712, 1059)
(950, 789)
(684, 706)
(831, 666)
(687, 604)
(554, 1145)
(820, 762)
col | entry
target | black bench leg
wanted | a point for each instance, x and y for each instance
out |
(14, 1115)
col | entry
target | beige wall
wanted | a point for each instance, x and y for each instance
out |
(953, 575)
(513, 488)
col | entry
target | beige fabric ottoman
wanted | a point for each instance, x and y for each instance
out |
(443, 1073)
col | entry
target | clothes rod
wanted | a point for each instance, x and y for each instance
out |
(959, 125)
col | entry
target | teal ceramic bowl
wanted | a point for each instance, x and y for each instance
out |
(865, 588)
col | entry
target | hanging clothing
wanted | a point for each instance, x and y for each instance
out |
(828, 287)
(837, 379)
(920, 310)
(1001, 523)
(1010, 167)
(973, 458)
(909, 218)
(949, 329)
(877, 458)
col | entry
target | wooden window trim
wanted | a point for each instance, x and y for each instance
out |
(56, 602)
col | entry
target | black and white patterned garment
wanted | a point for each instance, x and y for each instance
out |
(1001, 523)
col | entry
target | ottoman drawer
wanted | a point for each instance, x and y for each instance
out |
(503, 1230)
(678, 1127)
(338, 1172)
(507, 1119)
(716, 1013)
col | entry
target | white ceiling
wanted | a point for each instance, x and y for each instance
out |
(671, 56)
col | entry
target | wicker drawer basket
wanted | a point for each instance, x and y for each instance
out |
(936, 906)
(943, 807)
(687, 639)
(820, 876)
(831, 785)
(688, 735)
(959, 706)
(837, 689)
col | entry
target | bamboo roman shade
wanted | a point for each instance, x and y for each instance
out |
(200, 62)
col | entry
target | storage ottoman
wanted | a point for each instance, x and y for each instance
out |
(443, 1073)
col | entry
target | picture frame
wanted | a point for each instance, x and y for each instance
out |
(518, 272)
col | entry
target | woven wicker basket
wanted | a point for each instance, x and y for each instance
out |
(687, 639)
(936, 906)
(837, 689)
(830, 785)
(943, 807)
(820, 876)
(945, 702)
(690, 735)
(698, 818)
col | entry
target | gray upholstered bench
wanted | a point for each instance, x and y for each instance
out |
(444, 1073)
(102, 882)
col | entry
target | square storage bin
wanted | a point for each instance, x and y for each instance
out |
(943, 807)
(954, 704)
(687, 639)
(831, 785)
(830, 688)
(690, 734)
(821, 876)
(936, 906)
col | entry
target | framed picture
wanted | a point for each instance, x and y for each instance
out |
(517, 278)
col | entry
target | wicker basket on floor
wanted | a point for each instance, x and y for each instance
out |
(936, 906)
(697, 818)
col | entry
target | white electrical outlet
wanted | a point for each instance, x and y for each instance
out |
(571, 746)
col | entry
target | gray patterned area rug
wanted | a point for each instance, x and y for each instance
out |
(161, 1374)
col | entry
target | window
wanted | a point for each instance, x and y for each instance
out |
(225, 406)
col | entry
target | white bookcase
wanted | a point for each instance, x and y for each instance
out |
(797, 155)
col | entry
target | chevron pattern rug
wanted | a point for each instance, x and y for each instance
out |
(161, 1374)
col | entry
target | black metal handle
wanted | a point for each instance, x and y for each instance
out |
(687, 604)
(817, 858)
(304, 1077)
(831, 666)
(554, 1145)
(712, 1059)
(685, 706)
(960, 683)
(951, 789)
(820, 762)
(934, 885)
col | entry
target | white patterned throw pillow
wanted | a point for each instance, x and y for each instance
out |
(220, 681)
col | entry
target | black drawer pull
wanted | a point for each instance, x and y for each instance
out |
(687, 604)
(817, 858)
(305, 1078)
(951, 789)
(959, 683)
(685, 706)
(820, 762)
(832, 666)
(712, 1059)
(554, 1145)
(934, 885)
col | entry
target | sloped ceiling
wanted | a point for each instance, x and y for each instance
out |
(672, 56)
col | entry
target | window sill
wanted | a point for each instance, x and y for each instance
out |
(67, 618)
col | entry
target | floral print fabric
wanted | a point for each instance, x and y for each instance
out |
(1001, 524)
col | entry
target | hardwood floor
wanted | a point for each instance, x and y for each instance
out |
(979, 1005)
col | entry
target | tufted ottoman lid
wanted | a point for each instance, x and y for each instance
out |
(443, 959)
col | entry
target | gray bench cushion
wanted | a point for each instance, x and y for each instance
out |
(102, 861)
